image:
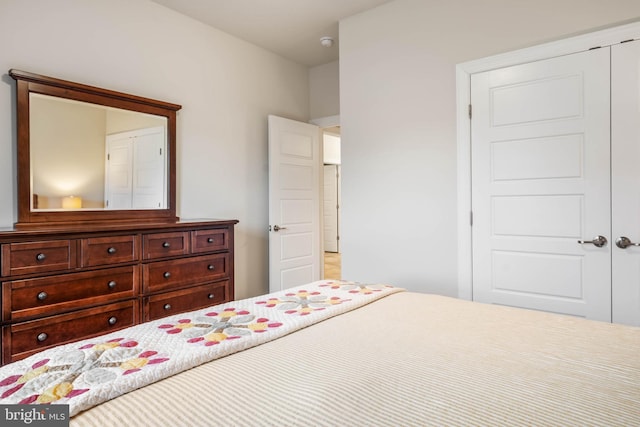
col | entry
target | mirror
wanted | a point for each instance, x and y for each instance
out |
(87, 155)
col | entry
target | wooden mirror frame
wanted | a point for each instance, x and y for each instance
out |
(27, 83)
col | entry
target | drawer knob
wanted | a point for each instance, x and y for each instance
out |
(166, 275)
(41, 257)
(112, 284)
(111, 250)
(113, 320)
(42, 337)
(210, 240)
(167, 307)
(166, 244)
(211, 267)
(42, 296)
(211, 296)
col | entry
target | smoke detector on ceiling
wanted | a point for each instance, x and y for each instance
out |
(326, 41)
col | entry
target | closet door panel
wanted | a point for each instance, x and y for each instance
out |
(541, 182)
(625, 161)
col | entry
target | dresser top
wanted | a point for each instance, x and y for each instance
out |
(77, 230)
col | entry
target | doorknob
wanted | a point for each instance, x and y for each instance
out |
(623, 242)
(278, 228)
(598, 241)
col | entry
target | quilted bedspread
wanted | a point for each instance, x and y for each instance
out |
(89, 372)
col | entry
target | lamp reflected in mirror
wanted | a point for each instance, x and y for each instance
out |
(72, 202)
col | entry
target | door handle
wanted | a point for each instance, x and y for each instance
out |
(623, 242)
(278, 228)
(598, 241)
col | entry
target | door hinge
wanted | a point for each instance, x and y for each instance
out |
(469, 110)
(108, 156)
(471, 218)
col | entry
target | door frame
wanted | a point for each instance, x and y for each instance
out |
(464, 70)
(323, 123)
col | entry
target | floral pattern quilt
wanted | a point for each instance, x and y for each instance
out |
(86, 373)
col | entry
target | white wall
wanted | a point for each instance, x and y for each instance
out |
(78, 169)
(225, 86)
(397, 114)
(324, 89)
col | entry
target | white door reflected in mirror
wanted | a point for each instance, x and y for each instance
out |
(135, 169)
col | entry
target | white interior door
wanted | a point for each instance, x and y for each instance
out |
(149, 169)
(625, 198)
(118, 172)
(331, 207)
(541, 182)
(136, 169)
(294, 203)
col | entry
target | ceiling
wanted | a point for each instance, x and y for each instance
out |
(289, 28)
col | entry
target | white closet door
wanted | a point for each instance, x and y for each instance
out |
(330, 208)
(541, 182)
(136, 169)
(149, 183)
(119, 172)
(625, 161)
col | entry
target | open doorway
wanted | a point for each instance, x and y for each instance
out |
(332, 202)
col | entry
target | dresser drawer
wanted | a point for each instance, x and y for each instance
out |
(168, 275)
(209, 240)
(109, 250)
(26, 338)
(38, 257)
(158, 306)
(159, 245)
(55, 294)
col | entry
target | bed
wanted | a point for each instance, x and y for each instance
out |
(336, 353)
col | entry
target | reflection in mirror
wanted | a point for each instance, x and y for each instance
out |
(89, 156)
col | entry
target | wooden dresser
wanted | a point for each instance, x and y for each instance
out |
(63, 285)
